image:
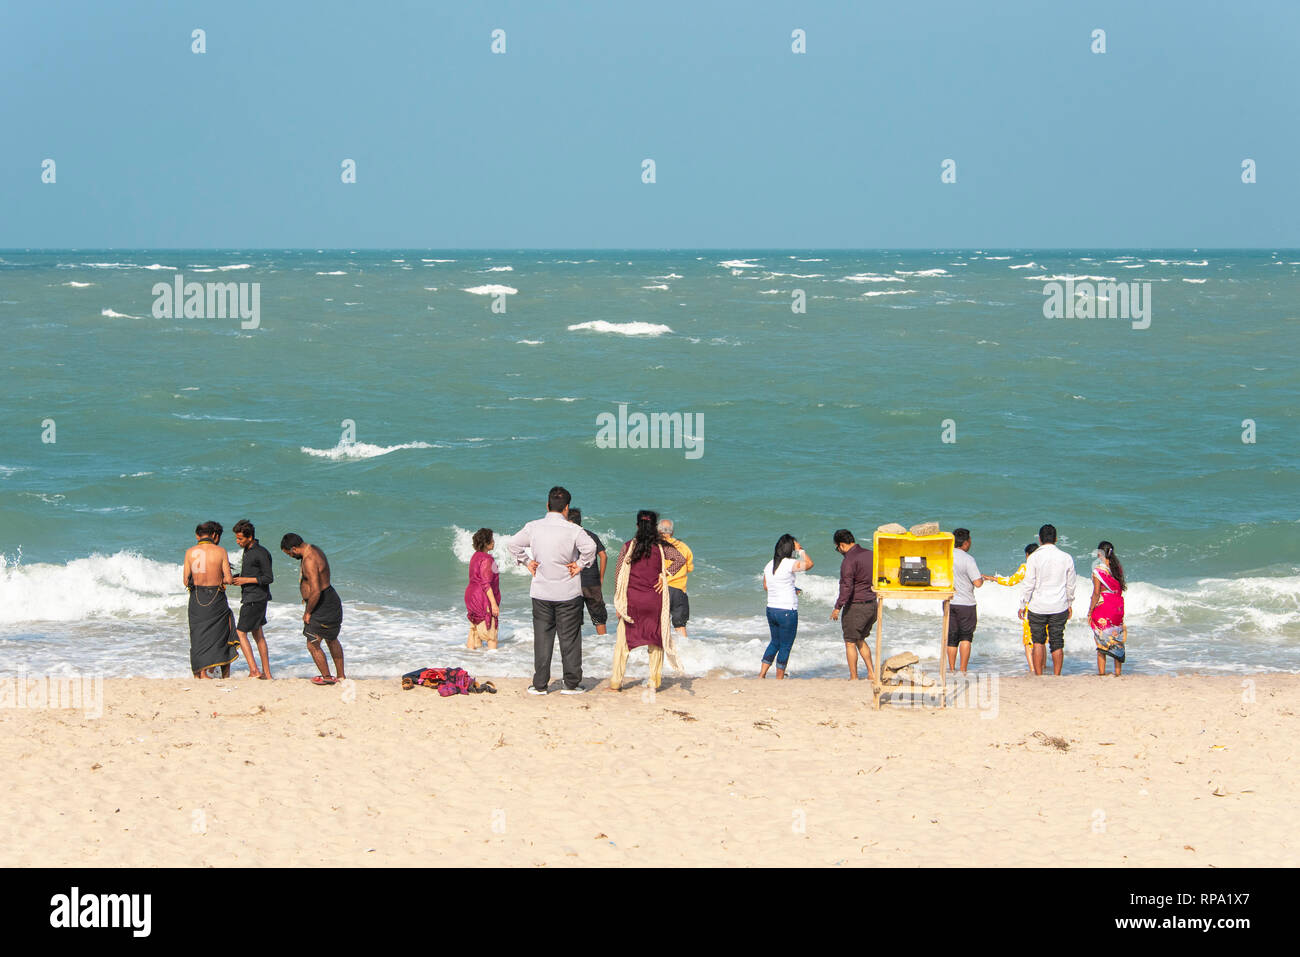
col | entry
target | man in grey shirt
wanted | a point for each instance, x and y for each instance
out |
(561, 550)
(961, 610)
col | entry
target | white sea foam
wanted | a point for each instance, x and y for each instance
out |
(492, 290)
(1029, 265)
(871, 293)
(361, 450)
(122, 265)
(101, 586)
(870, 277)
(437, 260)
(1180, 262)
(336, 272)
(734, 264)
(1075, 278)
(922, 272)
(211, 418)
(110, 314)
(78, 285)
(622, 328)
(153, 266)
(500, 269)
(130, 619)
(662, 285)
(462, 546)
(1185, 279)
(529, 342)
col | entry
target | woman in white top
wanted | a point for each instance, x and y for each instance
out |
(782, 601)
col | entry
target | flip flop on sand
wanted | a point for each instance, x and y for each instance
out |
(321, 680)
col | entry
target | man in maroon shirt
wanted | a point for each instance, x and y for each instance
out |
(857, 599)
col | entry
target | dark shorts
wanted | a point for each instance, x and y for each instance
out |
(595, 601)
(856, 619)
(1049, 629)
(961, 624)
(252, 616)
(679, 607)
(326, 618)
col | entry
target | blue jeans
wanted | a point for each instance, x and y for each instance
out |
(783, 623)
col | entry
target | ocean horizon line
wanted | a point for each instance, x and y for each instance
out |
(651, 249)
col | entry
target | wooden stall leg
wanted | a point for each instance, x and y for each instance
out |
(943, 657)
(876, 686)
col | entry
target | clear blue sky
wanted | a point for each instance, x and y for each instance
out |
(755, 146)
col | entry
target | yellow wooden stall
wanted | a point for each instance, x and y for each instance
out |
(888, 550)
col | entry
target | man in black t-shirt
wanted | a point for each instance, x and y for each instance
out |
(255, 577)
(592, 576)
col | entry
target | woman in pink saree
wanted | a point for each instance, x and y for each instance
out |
(483, 594)
(1106, 612)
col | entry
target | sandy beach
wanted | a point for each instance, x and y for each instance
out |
(1182, 771)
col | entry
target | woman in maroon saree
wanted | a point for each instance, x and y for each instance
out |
(641, 600)
(483, 594)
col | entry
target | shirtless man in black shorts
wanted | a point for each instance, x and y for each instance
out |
(322, 616)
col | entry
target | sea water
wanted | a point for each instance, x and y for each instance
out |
(386, 404)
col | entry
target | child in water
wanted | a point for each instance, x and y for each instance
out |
(1016, 579)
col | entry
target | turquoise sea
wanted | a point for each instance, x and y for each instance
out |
(465, 416)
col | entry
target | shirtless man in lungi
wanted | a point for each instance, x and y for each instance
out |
(322, 615)
(206, 573)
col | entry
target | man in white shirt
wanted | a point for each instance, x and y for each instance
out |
(962, 618)
(561, 550)
(1047, 599)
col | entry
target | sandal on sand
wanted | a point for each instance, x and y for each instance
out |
(322, 680)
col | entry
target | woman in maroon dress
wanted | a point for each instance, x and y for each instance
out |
(641, 599)
(483, 594)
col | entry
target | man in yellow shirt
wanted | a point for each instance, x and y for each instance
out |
(679, 608)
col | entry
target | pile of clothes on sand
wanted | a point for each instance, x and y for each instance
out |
(447, 681)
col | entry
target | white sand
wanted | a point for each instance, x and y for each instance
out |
(239, 772)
